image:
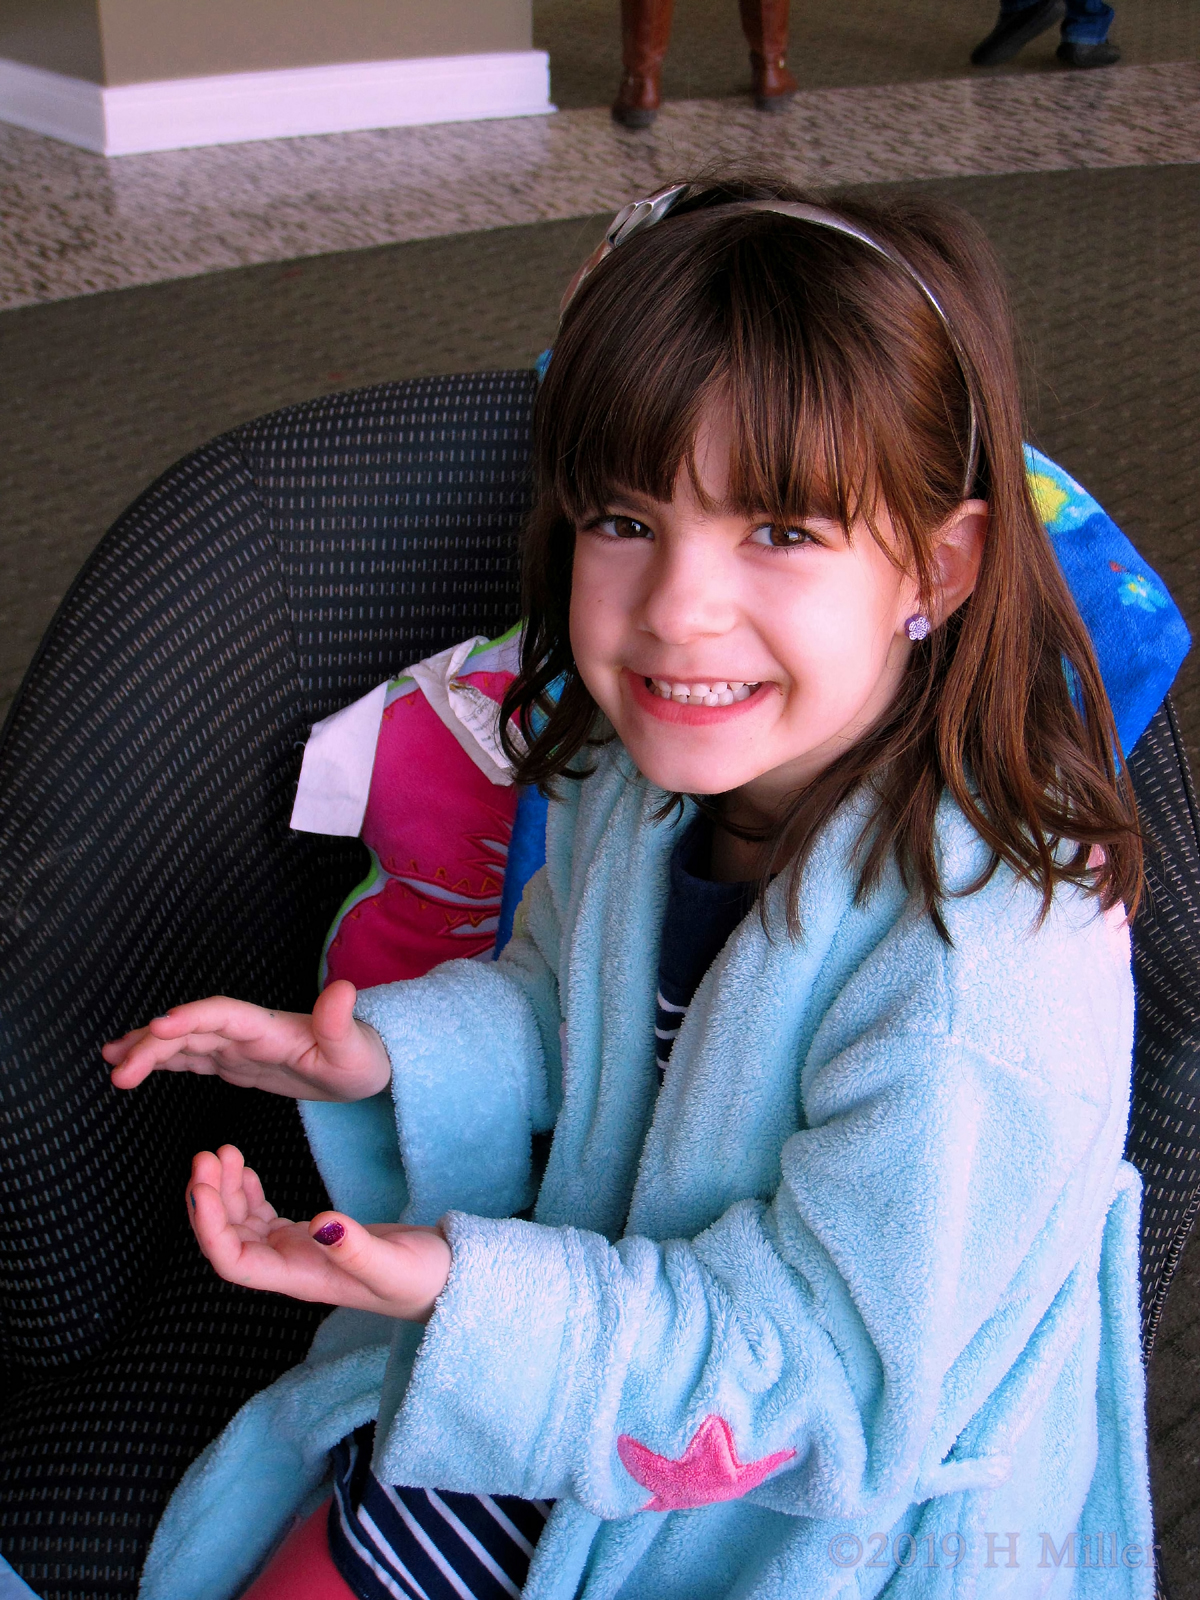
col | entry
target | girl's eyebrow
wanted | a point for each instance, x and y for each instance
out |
(632, 503)
(814, 513)
(626, 499)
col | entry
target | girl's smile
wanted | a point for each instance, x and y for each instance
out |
(718, 693)
(693, 704)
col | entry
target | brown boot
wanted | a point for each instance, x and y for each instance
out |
(645, 30)
(765, 24)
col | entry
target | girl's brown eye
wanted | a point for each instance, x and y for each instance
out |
(777, 537)
(623, 528)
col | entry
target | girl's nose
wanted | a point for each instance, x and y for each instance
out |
(690, 593)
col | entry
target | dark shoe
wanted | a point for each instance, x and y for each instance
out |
(1013, 32)
(645, 31)
(637, 102)
(1088, 55)
(773, 84)
(765, 24)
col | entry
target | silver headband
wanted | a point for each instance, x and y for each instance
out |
(645, 213)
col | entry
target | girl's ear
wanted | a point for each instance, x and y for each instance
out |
(957, 553)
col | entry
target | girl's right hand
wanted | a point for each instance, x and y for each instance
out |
(328, 1056)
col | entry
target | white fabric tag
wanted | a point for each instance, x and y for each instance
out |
(335, 777)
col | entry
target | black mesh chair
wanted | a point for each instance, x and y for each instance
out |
(146, 777)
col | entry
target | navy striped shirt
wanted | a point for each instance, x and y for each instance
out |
(699, 918)
(426, 1544)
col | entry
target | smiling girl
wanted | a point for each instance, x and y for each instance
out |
(828, 1284)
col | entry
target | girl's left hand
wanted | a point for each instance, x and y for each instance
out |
(396, 1270)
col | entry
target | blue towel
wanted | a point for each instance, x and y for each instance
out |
(11, 1586)
(1138, 634)
(526, 853)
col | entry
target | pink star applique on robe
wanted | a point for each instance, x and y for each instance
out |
(708, 1470)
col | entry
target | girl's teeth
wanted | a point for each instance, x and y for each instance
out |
(702, 694)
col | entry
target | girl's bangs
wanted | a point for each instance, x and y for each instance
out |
(635, 380)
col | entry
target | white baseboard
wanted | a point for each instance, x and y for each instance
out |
(50, 102)
(177, 114)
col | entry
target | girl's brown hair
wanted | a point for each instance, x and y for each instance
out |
(844, 391)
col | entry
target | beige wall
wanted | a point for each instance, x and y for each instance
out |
(137, 41)
(60, 35)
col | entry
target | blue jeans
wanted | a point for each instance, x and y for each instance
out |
(1086, 21)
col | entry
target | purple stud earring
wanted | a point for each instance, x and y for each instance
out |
(918, 627)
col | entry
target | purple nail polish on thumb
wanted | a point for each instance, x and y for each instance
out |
(331, 1233)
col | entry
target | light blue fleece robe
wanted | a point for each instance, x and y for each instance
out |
(851, 1304)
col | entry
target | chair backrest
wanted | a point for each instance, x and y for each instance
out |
(146, 777)
(1164, 1121)
(147, 772)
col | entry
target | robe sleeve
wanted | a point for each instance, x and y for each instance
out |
(476, 1071)
(942, 1205)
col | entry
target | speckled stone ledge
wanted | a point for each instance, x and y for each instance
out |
(74, 223)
